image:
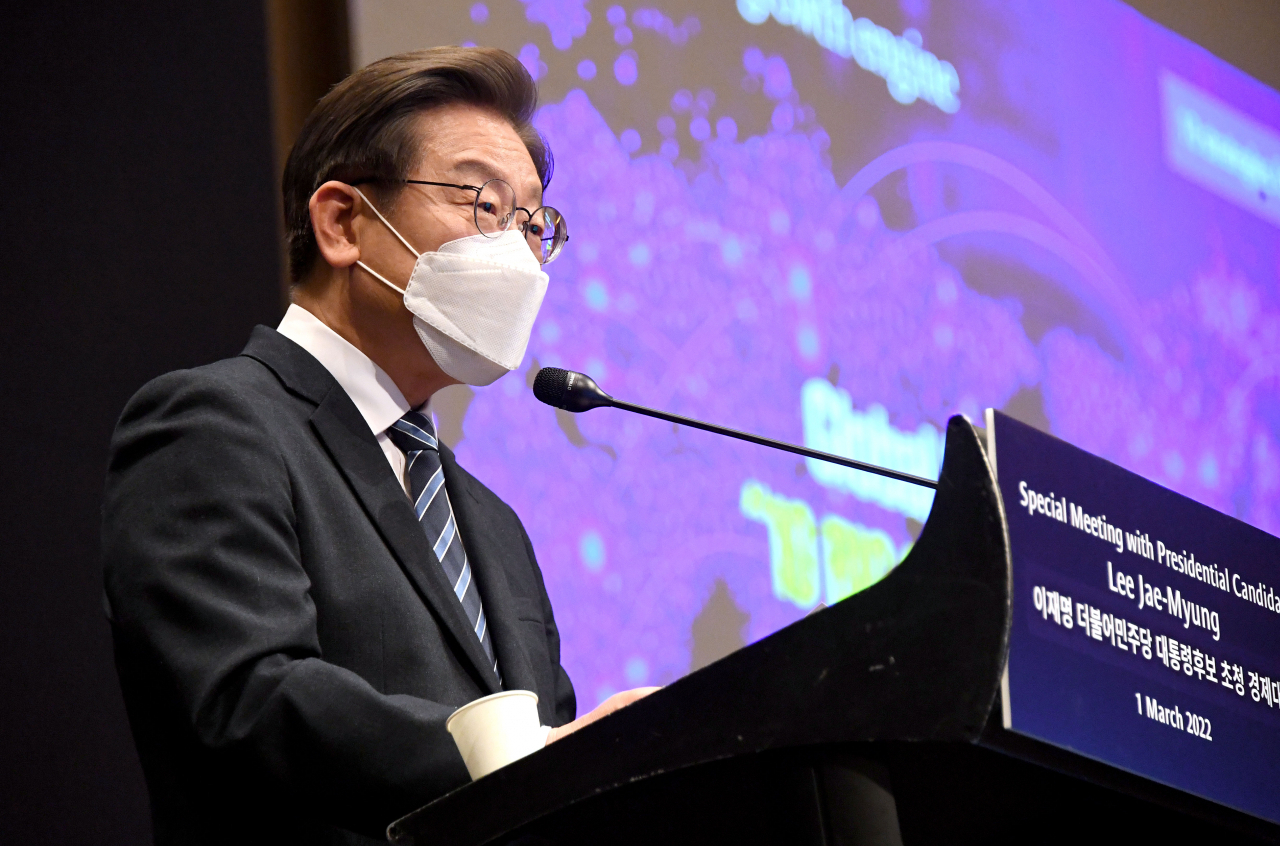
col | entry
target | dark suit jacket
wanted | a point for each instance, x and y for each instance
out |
(287, 644)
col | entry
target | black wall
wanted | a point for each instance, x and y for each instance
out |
(137, 235)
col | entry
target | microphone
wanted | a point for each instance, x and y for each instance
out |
(577, 392)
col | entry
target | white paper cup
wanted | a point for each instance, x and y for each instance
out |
(496, 730)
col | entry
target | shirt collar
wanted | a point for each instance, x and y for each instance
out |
(376, 397)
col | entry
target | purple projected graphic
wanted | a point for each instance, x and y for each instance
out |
(838, 228)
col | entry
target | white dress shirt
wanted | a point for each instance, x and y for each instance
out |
(376, 397)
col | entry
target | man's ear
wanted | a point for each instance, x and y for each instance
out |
(333, 208)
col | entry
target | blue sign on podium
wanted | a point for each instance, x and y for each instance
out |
(1146, 626)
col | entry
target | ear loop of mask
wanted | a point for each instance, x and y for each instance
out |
(387, 223)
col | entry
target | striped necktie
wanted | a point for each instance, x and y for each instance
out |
(416, 437)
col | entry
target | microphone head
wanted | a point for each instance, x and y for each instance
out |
(568, 390)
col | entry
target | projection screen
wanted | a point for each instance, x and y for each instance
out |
(839, 225)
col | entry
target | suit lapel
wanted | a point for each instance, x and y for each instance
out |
(355, 451)
(487, 564)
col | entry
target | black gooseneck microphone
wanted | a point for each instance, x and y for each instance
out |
(577, 392)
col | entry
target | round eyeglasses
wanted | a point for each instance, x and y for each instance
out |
(495, 211)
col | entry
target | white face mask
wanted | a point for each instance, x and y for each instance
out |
(473, 301)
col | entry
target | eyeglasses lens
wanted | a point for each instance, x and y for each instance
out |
(496, 210)
(546, 232)
(495, 207)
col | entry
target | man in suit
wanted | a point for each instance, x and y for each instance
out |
(302, 583)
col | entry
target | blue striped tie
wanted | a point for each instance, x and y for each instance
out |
(416, 437)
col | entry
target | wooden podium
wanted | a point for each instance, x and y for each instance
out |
(869, 722)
